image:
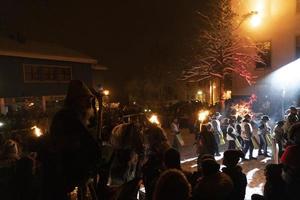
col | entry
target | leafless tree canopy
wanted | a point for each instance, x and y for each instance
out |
(226, 51)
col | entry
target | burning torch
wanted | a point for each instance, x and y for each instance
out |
(36, 131)
(154, 119)
(202, 115)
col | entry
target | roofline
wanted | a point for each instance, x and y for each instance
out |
(48, 57)
(99, 67)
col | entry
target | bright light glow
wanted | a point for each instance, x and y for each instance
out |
(154, 119)
(255, 21)
(202, 115)
(37, 131)
(242, 109)
(285, 83)
(199, 92)
(188, 160)
(1, 124)
(288, 75)
(106, 92)
(250, 189)
(145, 110)
(227, 94)
(31, 104)
(259, 11)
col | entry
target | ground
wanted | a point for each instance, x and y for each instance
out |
(254, 169)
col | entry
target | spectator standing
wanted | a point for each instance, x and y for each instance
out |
(214, 184)
(234, 171)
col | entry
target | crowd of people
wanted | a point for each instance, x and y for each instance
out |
(70, 162)
(244, 133)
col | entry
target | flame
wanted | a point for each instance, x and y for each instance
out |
(37, 131)
(106, 92)
(202, 115)
(244, 107)
(154, 119)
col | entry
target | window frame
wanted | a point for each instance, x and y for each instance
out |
(267, 65)
(26, 80)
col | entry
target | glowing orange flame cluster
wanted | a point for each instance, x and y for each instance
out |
(244, 107)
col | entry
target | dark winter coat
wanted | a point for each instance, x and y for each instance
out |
(214, 187)
(206, 143)
(239, 181)
(72, 152)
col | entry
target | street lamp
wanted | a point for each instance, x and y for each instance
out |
(255, 20)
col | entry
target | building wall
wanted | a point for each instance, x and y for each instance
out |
(12, 77)
(280, 24)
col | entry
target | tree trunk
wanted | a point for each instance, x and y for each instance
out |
(221, 96)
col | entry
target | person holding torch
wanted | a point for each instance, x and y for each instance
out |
(73, 153)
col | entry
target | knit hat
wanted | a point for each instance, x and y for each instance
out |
(76, 90)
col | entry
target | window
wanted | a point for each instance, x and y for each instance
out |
(298, 47)
(47, 73)
(265, 54)
(298, 6)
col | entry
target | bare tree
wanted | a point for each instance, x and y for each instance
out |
(225, 50)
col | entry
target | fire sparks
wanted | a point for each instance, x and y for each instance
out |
(244, 107)
(37, 131)
(202, 115)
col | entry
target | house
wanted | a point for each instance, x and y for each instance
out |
(274, 26)
(276, 30)
(32, 69)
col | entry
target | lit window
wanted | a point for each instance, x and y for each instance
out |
(47, 73)
(265, 54)
(298, 47)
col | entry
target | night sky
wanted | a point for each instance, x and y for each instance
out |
(124, 35)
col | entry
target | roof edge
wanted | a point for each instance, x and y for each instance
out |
(48, 57)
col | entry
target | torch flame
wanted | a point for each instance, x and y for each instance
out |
(37, 131)
(154, 119)
(244, 107)
(202, 115)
